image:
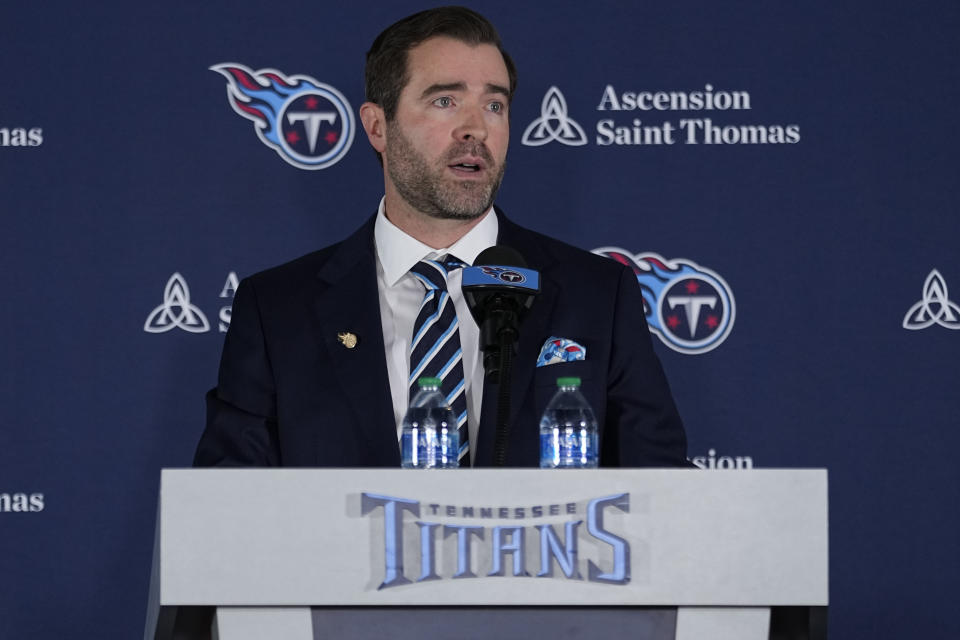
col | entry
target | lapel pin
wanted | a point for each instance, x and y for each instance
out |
(347, 339)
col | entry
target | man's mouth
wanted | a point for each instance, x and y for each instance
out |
(468, 164)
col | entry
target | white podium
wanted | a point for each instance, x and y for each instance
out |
(307, 554)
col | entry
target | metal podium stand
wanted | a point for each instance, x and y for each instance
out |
(304, 554)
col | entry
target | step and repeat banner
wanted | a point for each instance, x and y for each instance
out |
(783, 180)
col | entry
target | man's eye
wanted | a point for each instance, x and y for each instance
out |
(496, 107)
(445, 101)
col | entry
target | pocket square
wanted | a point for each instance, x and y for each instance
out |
(556, 350)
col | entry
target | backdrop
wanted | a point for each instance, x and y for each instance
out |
(783, 179)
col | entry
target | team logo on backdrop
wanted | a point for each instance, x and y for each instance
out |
(689, 307)
(554, 123)
(935, 307)
(309, 123)
(176, 310)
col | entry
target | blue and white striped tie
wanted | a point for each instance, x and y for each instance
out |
(435, 349)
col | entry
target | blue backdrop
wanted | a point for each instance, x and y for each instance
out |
(829, 251)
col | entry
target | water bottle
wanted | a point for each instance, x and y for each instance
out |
(429, 438)
(568, 430)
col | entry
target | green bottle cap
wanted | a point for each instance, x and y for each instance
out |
(568, 382)
(428, 382)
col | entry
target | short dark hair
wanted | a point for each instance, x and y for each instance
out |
(386, 72)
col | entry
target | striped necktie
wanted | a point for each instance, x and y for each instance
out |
(435, 349)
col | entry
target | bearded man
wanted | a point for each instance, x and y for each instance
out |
(322, 352)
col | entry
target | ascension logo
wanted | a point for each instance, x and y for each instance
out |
(935, 307)
(636, 119)
(309, 123)
(689, 307)
(554, 123)
(713, 461)
(176, 310)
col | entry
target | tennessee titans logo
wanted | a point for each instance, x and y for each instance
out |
(309, 123)
(507, 275)
(689, 307)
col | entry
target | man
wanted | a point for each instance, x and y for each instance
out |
(316, 367)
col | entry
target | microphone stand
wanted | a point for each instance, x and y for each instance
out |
(507, 338)
(498, 336)
(498, 305)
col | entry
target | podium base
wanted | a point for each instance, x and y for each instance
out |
(502, 623)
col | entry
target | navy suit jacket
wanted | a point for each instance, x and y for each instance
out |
(290, 393)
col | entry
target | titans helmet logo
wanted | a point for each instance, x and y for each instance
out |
(689, 307)
(309, 123)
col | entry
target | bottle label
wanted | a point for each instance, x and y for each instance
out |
(568, 448)
(429, 440)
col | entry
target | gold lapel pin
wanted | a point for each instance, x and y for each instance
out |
(347, 339)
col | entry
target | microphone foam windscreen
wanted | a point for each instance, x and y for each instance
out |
(500, 255)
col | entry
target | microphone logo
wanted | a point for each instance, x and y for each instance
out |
(506, 275)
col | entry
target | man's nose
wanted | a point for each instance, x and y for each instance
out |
(472, 126)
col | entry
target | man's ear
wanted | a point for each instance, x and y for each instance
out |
(375, 124)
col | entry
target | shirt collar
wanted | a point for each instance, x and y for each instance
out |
(398, 252)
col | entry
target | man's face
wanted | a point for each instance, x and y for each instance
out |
(447, 144)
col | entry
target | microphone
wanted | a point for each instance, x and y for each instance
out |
(499, 289)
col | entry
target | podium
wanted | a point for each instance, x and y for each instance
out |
(304, 554)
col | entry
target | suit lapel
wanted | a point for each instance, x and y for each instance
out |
(349, 303)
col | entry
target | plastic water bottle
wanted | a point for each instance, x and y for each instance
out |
(568, 430)
(429, 438)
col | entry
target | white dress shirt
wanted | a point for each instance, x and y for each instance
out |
(400, 297)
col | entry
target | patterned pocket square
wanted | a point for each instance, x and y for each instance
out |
(556, 350)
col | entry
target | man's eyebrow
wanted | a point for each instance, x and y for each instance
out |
(461, 86)
(450, 86)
